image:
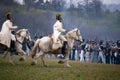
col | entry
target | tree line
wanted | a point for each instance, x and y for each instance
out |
(90, 8)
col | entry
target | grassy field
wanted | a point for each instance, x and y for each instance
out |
(55, 71)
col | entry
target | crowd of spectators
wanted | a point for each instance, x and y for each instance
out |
(97, 51)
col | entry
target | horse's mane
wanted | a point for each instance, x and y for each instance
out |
(19, 32)
(71, 31)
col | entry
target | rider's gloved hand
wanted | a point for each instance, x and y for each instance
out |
(66, 31)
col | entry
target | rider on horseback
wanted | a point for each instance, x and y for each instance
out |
(7, 27)
(59, 40)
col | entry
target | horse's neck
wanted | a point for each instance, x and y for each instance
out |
(21, 39)
(70, 41)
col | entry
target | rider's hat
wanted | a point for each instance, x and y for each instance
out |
(7, 15)
(58, 16)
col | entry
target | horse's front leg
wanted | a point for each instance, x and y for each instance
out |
(5, 54)
(66, 60)
(22, 53)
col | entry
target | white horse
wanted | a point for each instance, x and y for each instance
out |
(44, 45)
(20, 35)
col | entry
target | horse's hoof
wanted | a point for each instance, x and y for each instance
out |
(32, 56)
(21, 59)
(33, 63)
(11, 63)
(60, 62)
(4, 57)
(68, 66)
(45, 66)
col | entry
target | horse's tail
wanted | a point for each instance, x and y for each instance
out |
(35, 47)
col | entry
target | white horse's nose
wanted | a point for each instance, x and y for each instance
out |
(80, 37)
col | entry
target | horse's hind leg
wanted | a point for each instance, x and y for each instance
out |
(10, 58)
(42, 58)
(5, 54)
(37, 56)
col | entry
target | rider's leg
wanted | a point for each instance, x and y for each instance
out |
(12, 46)
(56, 43)
(64, 43)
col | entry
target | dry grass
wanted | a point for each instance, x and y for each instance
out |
(55, 71)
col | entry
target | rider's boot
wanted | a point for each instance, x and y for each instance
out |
(12, 46)
(64, 47)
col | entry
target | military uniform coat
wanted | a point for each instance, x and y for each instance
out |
(57, 30)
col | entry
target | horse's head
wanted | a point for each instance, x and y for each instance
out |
(75, 34)
(28, 37)
(24, 33)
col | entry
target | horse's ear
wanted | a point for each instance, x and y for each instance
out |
(26, 29)
(75, 29)
(18, 32)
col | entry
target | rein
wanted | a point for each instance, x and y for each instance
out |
(17, 40)
(77, 35)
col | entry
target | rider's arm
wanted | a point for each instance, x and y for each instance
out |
(59, 28)
(10, 25)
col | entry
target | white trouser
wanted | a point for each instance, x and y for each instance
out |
(57, 44)
(62, 38)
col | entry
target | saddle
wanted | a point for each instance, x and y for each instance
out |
(3, 47)
(59, 47)
(55, 46)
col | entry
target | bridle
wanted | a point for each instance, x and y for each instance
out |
(27, 37)
(77, 33)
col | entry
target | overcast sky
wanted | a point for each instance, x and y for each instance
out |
(111, 1)
(104, 1)
(75, 1)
